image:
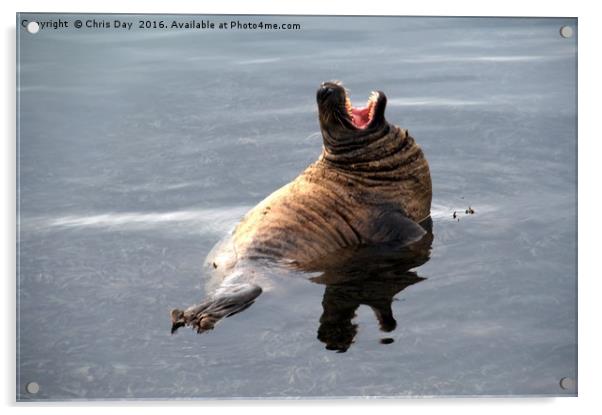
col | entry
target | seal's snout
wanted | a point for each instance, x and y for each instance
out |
(329, 91)
(324, 92)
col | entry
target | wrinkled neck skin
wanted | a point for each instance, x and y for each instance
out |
(369, 153)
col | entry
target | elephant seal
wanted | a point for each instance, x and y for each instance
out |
(370, 186)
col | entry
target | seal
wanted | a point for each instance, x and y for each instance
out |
(370, 186)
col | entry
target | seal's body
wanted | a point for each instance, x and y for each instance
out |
(370, 186)
(333, 205)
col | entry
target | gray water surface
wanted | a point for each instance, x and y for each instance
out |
(139, 150)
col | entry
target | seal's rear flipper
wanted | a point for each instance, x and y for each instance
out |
(228, 301)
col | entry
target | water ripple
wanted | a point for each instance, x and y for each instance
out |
(213, 220)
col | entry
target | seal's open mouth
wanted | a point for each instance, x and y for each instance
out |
(361, 117)
(336, 110)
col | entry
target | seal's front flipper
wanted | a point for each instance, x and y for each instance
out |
(225, 303)
(395, 227)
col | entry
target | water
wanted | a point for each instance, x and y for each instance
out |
(140, 150)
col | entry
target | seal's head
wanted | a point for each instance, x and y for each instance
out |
(339, 118)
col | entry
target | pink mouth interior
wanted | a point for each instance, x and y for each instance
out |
(360, 117)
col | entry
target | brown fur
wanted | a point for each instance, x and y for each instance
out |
(332, 205)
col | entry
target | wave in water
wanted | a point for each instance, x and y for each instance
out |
(214, 220)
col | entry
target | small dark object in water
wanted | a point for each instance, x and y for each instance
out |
(469, 211)
(214, 265)
(454, 215)
(387, 340)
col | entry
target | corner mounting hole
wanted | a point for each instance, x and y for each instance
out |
(33, 27)
(566, 32)
(567, 383)
(32, 387)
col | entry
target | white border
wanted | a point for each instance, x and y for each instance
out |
(589, 198)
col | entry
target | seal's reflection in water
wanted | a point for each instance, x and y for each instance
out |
(369, 276)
